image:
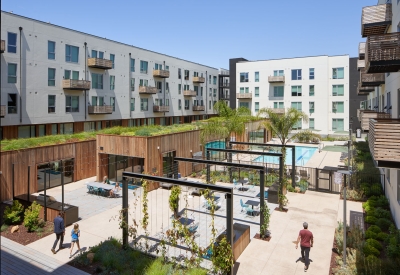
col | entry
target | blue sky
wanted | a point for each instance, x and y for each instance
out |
(211, 32)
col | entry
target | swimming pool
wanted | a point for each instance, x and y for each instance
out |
(303, 155)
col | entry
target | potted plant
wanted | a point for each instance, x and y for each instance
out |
(174, 200)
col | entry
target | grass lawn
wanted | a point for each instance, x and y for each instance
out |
(342, 149)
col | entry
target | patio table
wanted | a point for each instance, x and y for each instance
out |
(243, 182)
(252, 203)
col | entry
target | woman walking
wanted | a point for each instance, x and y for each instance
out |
(75, 234)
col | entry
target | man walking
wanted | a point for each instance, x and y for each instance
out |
(59, 229)
(306, 240)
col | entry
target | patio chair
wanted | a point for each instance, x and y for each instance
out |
(95, 190)
(235, 184)
(193, 228)
(250, 211)
(102, 192)
(243, 205)
(90, 189)
(251, 188)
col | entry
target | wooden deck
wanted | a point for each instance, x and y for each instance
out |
(382, 53)
(19, 259)
(376, 19)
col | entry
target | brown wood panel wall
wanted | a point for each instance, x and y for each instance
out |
(79, 127)
(10, 132)
(85, 160)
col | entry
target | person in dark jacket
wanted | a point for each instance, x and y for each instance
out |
(59, 230)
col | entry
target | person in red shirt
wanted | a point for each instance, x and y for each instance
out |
(306, 240)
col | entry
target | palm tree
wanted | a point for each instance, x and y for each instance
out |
(281, 126)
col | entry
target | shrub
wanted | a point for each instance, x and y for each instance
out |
(375, 190)
(370, 203)
(382, 236)
(393, 248)
(375, 229)
(31, 220)
(370, 250)
(382, 213)
(382, 202)
(383, 223)
(13, 213)
(370, 219)
(374, 243)
(4, 227)
(370, 235)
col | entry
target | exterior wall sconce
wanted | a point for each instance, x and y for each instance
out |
(190, 150)
(158, 147)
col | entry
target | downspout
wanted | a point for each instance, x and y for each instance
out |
(165, 91)
(20, 74)
(207, 94)
(85, 77)
(129, 86)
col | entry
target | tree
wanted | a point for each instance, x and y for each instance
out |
(281, 126)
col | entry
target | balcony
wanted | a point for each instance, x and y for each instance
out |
(3, 109)
(198, 79)
(189, 93)
(160, 109)
(364, 90)
(3, 46)
(279, 111)
(99, 63)
(198, 108)
(74, 84)
(360, 64)
(276, 79)
(147, 90)
(366, 115)
(100, 110)
(382, 53)
(224, 85)
(384, 142)
(371, 80)
(161, 73)
(361, 50)
(376, 19)
(244, 95)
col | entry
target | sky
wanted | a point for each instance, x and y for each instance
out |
(210, 32)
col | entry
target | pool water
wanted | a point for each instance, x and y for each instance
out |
(303, 155)
(216, 144)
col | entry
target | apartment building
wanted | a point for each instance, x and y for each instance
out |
(379, 65)
(317, 85)
(223, 86)
(55, 80)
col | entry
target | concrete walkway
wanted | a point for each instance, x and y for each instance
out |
(19, 259)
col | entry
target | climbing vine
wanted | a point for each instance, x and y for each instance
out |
(145, 211)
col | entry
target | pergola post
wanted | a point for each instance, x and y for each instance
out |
(125, 213)
(208, 178)
(262, 199)
(229, 220)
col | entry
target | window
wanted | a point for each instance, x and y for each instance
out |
(242, 90)
(257, 91)
(51, 50)
(214, 80)
(244, 104)
(311, 123)
(256, 77)
(296, 105)
(99, 55)
(132, 64)
(100, 100)
(209, 105)
(12, 73)
(201, 91)
(186, 74)
(42, 130)
(338, 107)
(166, 68)
(312, 75)
(311, 107)
(144, 104)
(94, 54)
(179, 104)
(244, 77)
(179, 88)
(12, 103)
(337, 90)
(157, 66)
(278, 91)
(97, 81)
(51, 104)
(54, 129)
(256, 106)
(187, 87)
(112, 82)
(389, 103)
(112, 58)
(51, 77)
(296, 90)
(337, 73)
(195, 74)
(71, 104)
(159, 86)
(209, 79)
(215, 92)
(11, 42)
(67, 74)
(296, 74)
(196, 89)
(179, 73)
(311, 90)
(279, 73)
(71, 54)
(132, 84)
(187, 104)
(143, 82)
(112, 103)
(337, 124)
(26, 131)
(66, 128)
(143, 66)
(278, 105)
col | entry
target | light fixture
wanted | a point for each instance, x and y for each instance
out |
(158, 147)
(190, 150)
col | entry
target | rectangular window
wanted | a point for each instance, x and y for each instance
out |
(256, 77)
(12, 104)
(112, 58)
(257, 91)
(132, 84)
(51, 104)
(209, 105)
(297, 105)
(337, 73)
(296, 90)
(42, 131)
(337, 90)
(311, 107)
(201, 91)
(143, 66)
(311, 123)
(66, 128)
(179, 104)
(256, 106)
(337, 124)
(215, 92)
(159, 86)
(187, 87)
(279, 73)
(26, 131)
(132, 64)
(312, 75)
(338, 107)
(143, 82)
(311, 90)
(278, 91)
(214, 80)
(166, 68)
(179, 73)
(112, 82)
(97, 81)
(11, 42)
(51, 77)
(196, 89)
(209, 79)
(242, 90)
(12, 73)
(94, 54)
(278, 105)
(112, 103)
(296, 74)
(186, 74)
(244, 77)
(71, 104)
(54, 129)
(144, 104)
(179, 88)
(157, 66)
(67, 74)
(51, 50)
(244, 104)
(71, 54)
(187, 104)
